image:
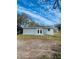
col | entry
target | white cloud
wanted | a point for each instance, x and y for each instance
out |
(38, 17)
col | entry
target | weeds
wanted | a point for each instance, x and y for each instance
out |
(57, 54)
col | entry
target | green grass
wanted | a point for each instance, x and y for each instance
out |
(56, 36)
(57, 49)
(44, 57)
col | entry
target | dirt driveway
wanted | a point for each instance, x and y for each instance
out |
(34, 49)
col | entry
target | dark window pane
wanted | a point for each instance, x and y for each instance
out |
(40, 31)
(49, 29)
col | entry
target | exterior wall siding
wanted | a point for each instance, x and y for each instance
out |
(35, 32)
(46, 32)
(30, 31)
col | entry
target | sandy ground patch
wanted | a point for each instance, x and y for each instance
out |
(34, 49)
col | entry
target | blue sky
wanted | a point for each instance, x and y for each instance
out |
(40, 11)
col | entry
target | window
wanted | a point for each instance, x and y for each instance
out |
(49, 29)
(40, 31)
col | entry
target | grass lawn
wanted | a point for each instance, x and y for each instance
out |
(40, 47)
(56, 36)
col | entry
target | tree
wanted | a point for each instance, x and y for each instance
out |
(22, 19)
(58, 27)
(57, 4)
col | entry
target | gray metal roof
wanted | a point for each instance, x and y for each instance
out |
(44, 27)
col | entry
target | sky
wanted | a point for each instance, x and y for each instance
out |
(43, 12)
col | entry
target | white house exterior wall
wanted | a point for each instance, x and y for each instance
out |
(30, 31)
(51, 32)
(34, 31)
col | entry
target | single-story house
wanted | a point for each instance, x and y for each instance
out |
(42, 30)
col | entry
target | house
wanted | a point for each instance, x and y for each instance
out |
(40, 30)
